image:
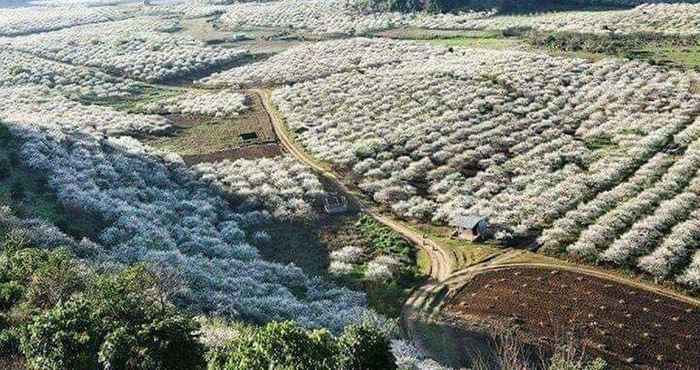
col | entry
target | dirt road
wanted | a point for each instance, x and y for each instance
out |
(426, 302)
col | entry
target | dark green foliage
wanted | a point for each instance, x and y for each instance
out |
(287, 346)
(5, 168)
(165, 343)
(384, 240)
(278, 345)
(123, 325)
(610, 43)
(10, 293)
(46, 277)
(60, 315)
(65, 337)
(9, 342)
(363, 347)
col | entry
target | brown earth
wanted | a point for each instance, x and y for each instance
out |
(204, 139)
(627, 326)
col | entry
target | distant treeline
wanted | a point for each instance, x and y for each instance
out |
(505, 6)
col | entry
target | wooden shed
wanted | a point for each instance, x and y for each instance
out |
(470, 227)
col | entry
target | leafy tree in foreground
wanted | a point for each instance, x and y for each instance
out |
(287, 346)
(58, 314)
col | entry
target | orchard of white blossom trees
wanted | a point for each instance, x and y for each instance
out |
(222, 103)
(138, 48)
(345, 17)
(155, 209)
(681, 19)
(22, 69)
(40, 19)
(596, 158)
(29, 105)
(330, 57)
(282, 187)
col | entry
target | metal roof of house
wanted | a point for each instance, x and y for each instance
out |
(467, 221)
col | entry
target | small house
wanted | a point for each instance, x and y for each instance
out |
(470, 227)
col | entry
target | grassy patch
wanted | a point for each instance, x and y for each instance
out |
(383, 240)
(599, 143)
(466, 253)
(296, 243)
(685, 57)
(206, 136)
(202, 135)
(141, 96)
(670, 50)
(483, 42)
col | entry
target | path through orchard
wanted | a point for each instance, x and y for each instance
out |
(424, 307)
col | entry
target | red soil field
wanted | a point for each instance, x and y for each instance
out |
(627, 326)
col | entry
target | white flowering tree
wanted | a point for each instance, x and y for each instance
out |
(597, 159)
(283, 187)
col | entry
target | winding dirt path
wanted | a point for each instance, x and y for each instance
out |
(441, 264)
(426, 302)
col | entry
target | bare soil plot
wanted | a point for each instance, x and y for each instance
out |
(201, 139)
(628, 327)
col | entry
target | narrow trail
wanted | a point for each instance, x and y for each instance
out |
(426, 302)
(441, 265)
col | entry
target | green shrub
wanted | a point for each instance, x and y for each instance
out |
(285, 345)
(363, 347)
(9, 342)
(47, 277)
(65, 337)
(278, 345)
(73, 319)
(383, 239)
(10, 293)
(55, 280)
(169, 343)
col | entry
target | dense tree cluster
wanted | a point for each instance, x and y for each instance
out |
(656, 18)
(283, 187)
(352, 17)
(154, 209)
(27, 105)
(330, 57)
(318, 16)
(138, 48)
(285, 345)
(19, 69)
(41, 19)
(577, 152)
(222, 103)
(60, 314)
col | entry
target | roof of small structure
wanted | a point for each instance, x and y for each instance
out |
(466, 221)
